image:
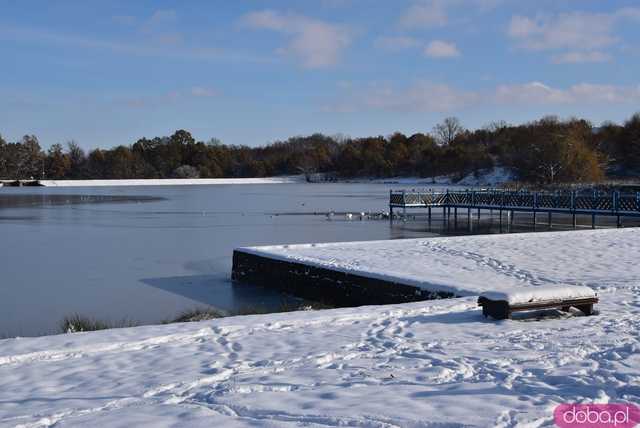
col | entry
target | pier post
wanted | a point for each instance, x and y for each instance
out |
(429, 213)
(616, 207)
(455, 217)
(549, 214)
(444, 213)
(478, 214)
(573, 208)
(593, 221)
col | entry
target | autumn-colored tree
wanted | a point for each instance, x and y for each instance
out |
(546, 151)
(58, 163)
(550, 151)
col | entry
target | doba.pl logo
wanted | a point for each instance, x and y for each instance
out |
(597, 415)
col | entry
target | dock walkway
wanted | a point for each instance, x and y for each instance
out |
(402, 270)
(594, 203)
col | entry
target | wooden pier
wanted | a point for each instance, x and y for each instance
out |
(593, 203)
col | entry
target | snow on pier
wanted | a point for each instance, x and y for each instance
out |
(470, 265)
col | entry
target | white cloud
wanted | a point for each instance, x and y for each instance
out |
(567, 31)
(433, 49)
(421, 96)
(171, 48)
(632, 13)
(576, 57)
(396, 43)
(582, 36)
(425, 14)
(425, 96)
(435, 13)
(315, 43)
(441, 49)
(582, 93)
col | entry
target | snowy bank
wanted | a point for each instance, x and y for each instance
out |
(171, 181)
(409, 365)
(426, 364)
(488, 177)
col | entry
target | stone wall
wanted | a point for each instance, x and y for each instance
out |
(324, 285)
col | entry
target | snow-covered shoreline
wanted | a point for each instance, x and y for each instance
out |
(490, 177)
(170, 181)
(426, 364)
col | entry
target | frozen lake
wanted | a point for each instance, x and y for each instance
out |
(119, 253)
(147, 253)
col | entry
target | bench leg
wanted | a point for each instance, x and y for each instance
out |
(496, 310)
(586, 309)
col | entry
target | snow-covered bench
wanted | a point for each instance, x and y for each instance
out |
(500, 304)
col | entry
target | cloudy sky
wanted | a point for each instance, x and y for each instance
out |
(249, 72)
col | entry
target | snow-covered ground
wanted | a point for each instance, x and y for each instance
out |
(489, 178)
(171, 181)
(427, 364)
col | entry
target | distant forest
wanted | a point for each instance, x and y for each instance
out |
(546, 151)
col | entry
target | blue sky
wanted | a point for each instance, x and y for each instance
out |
(248, 72)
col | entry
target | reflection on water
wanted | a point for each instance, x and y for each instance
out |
(16, 200)
(148, 253)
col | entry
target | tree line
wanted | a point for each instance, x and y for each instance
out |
(545, 151)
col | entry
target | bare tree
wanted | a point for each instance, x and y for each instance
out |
(549, 170)
(496, 126)
(447, 131)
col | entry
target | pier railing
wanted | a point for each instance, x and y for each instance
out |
(575, 202)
